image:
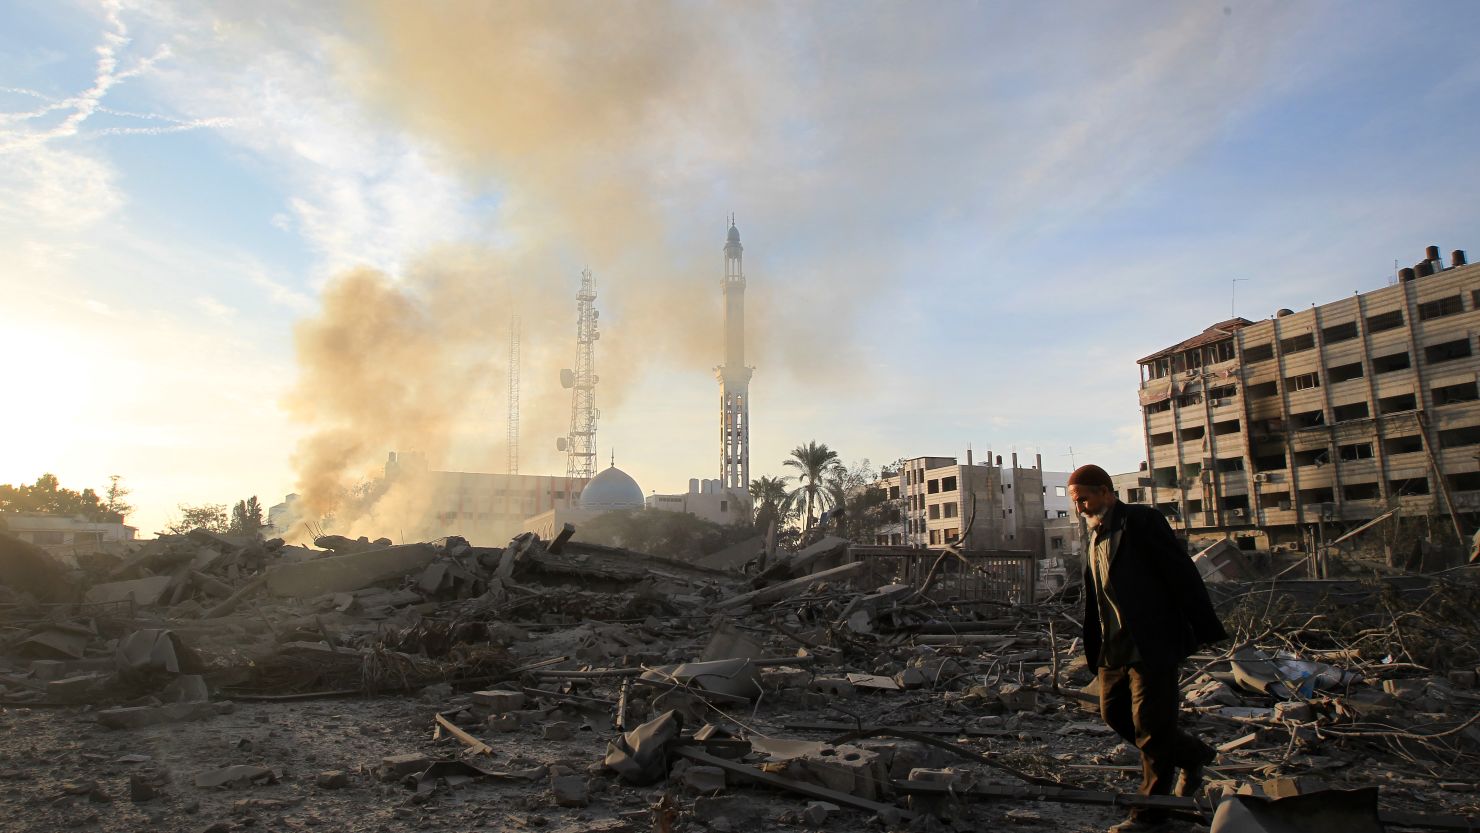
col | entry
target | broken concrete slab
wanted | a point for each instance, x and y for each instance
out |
(143, 592)
(240, 775)
(396, 767)
(346, 573)
(138, 717)
(500, 701)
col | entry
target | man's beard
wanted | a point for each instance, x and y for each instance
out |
(1095, 520)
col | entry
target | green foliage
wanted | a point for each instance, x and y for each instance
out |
(114, 497)
(864, 503)
(208, 516)
(46, 495)
(658, 532)
(246, 517)
(772, 503)
(813, 462)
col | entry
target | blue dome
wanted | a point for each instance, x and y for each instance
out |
(611, 489)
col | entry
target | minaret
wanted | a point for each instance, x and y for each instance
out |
(734, 376)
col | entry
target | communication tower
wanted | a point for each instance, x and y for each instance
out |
(580, 443)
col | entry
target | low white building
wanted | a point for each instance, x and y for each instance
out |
(65, 536)
(706, 499)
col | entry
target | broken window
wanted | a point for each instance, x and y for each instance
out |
(1350, 411)
(1455, 394)
(1359, 491)
(1391, 362)
(1440, 308)
(1236, 502)
(1193, 433)
(1345, 372)
(1194, 506)
(1224, 392)
(1409, 486)
(1385, 321)
(1316, 497)
(1297, 344)
(1403, 445)
(1226, 464)
(1339, 332)
(1223, 351)
(1164, 438)
(1189, 400)
(1395, 404)
(1457, 437)
(1355, 451)
(1224, 428)
(1313, 457)
(1258, 353)
(1448, 351)
(1308, 419)
(1159, 407)
(1269, 462)
(1264, 390)
(1465, 481)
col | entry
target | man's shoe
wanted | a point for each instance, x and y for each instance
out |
(1190, 779)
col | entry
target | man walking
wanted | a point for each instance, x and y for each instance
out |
(1146, 610)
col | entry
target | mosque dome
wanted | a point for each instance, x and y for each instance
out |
(611, 489)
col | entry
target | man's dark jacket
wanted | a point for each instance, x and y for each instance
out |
(1161, 596)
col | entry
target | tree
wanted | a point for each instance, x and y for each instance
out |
(208, 516)
(771, 500)
(855, 489)
(246, 517)
(812, 462)
(47, 496)
(114, 497)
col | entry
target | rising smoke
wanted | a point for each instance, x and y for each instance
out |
(578, 120)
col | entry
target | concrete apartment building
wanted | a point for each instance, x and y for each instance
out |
(1266, 431)
(979, 506)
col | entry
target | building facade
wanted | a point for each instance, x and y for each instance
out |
(66, 536)
(977, 506)
(706, 499)
(1269, 432)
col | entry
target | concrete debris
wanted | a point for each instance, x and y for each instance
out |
(823, 688)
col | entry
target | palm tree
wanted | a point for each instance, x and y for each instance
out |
(771, 499)
(812, 461)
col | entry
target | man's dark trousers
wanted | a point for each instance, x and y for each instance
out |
(1140, 703)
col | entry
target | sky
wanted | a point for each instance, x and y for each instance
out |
(250, 248)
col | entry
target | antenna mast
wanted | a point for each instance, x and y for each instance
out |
(580, 443)
(513, 427)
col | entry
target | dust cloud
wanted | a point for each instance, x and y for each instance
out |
(588, 124)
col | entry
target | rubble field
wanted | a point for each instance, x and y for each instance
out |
(203, 683)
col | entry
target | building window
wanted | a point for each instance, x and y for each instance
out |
(1359, 491)
(1409, 486)
(1455, 394)
(724, 506)
(1390, 363)
(1227, 464)
(935, 536)
(1339, 332)
(1264, 390)
(1402, 445)
(1060, 491)
(1313, 457)
(1440, 308)
(1304, 381)
(1223, 392)
(1308, 419)
(1269, 462)
(1159, 407)
(934, 511)
(1457, 437)
(1344, 372)
(1297, 344)
(1465, 482)
(1385, 321)
(933, 487)
(1354, 410)
(1222, 351)
(1448, 351)
(1189, 400)
(950, 510)
(1194, 506)
(1355, 451)
(1236, 502)
(894, 493)
(1221, 429)
(953, 535)
(1132, 496)
(948, 484)
(1057, 543)
(1258, 353)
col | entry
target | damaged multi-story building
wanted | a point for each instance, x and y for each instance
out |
(1270, 432)
(936, 501)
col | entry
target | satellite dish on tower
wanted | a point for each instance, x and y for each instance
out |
(567, 378)
(561, 444)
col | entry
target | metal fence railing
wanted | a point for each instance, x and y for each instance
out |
(1007, 576)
